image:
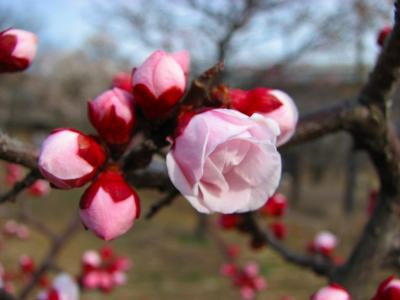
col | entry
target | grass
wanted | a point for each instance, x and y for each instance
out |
(170, 263)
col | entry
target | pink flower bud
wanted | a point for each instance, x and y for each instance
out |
(229, 269)
(275, 206)
(113, 116)
(90, 260)
(27, 264)
(389, 289)
(183, 59)
(331, 292)
(40, 188)
(17, 50)
(225, 161)
(273, 104)
(325, 243)
(23, 232)
(119, 278)
(66, 287)
(158, 84)
(14, 173)
(109, 206)
(106, 282)
(69, 159)
(122, 81)
(247, 293)
(10, 228)
(383, 35)
(91, 280)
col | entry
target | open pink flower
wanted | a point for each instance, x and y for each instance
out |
(17, 50)
(389, 289)
(109, 206)
(270, 103)
(69, 158)
(113, 115)
(331, 292)
(158, 84)
(225, 161)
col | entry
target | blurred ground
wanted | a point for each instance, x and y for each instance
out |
(170, 263)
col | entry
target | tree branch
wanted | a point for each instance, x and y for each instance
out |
(20, 186)
(54, 250)
(163, 202)
(317, 264)
(14, 151)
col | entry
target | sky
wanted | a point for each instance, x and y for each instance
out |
(66, 24)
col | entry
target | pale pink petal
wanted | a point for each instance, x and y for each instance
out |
(51, 161)
(286, 116)
(168, 74)
(183, 59)
(109, 219)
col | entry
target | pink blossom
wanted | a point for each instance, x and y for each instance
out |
(389, 289)
(27, 264)
(40, 188)
(23, 232)
(91, 260)
(270, 103)
(68, 158)
(275, 206)
(14, 173)
(91, 280)
(63, 288)
(325, 242)
(158, 84)
(17, 50)
(225, 161)
(109, 206)
(113, 115)
(331, 292)
(286, 116)
(183, 59)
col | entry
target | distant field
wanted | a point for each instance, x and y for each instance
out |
(169, 263)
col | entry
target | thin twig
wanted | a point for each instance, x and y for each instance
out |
(55, 248)
(164, 201)
(20, 186)
(317, 264)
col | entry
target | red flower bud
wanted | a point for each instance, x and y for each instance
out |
(275, 206)
(389, 289)
(273, 104)
(158, 84)
(229, 221)
(113, 116)
(109, 206)
(69, 159)
(39, 188)
(383, 34)
(122, 81)
(17, 50)
(27, 264)
(279, 230)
